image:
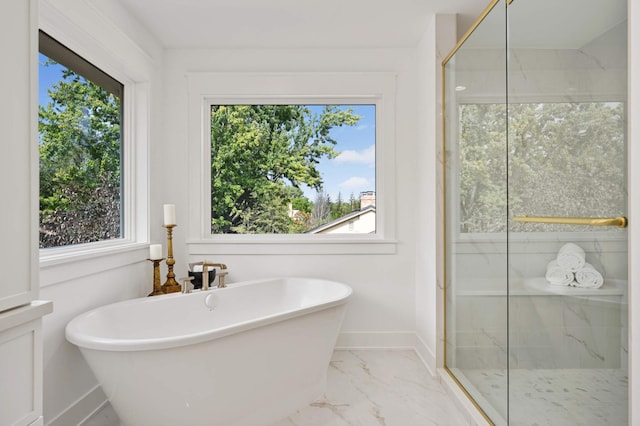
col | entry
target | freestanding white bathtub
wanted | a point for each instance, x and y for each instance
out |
(249, 354)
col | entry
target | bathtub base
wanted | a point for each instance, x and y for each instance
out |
(251, 378)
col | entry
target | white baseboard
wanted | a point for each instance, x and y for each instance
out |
(85, 407)
(389, 340)
(426, 355)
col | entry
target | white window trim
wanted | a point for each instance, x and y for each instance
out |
(58, 264)
(207, 88)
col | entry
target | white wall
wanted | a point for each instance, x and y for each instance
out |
(382, 309)
(106, 35)
(438, 40)
(67, 377)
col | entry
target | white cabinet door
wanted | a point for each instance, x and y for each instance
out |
(19, 150)
(21, 366)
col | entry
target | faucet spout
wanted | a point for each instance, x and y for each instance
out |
(205, 274)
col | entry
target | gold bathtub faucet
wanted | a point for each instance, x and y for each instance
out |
(205, 274)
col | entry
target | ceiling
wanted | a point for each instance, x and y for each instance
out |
(295, 23)
(566, 24)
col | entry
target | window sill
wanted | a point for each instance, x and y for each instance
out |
(288, 246)
(65, 264)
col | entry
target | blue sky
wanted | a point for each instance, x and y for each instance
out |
(353, 171)
(48, 75)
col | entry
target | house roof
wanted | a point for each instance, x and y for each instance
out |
(343, 219)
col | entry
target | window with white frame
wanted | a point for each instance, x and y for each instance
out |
(229, 112)
(80, 124)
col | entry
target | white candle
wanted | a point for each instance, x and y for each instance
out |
(169, 214)
(155, 251)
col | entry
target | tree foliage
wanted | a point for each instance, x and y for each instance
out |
(563, 159)
(261, 156)
(321, 212)
(98, 220)
(482, 168)
(341, 208)
(79, 163)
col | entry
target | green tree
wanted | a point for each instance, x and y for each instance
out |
(341, 208)
(563, 159)
(79, 162)
(354, 202)
(566, 159)
(482, 168)
(300, 202)
(258, 152)
(99, 221)
(321, 212)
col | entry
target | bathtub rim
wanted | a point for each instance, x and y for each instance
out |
(83, 340)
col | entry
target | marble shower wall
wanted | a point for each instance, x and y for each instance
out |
(573, 329)
(545, 331)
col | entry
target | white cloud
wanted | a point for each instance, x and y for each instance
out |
(366, 156)
(353, 183)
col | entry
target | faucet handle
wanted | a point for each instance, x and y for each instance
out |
(221, 276)
(186, 284)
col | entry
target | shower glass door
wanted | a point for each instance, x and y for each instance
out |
(475, 163)
(535, 204)
(567, 198)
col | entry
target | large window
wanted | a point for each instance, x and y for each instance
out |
(80, 146)
(553, 148)
(334, 138)
(293, 169)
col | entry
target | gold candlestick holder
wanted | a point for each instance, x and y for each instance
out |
(171, 285)
(157, 288)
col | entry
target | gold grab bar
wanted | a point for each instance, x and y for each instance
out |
(620, 222)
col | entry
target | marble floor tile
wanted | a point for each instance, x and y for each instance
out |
(393, 388)
(386, 388)
(557, 397)
(365, 388)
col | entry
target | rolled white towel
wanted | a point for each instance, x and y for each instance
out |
(557, 275)
(571, 257)
(589, 277)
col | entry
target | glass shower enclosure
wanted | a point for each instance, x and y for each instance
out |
(535, 178)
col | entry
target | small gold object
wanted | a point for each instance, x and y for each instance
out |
(222, 272)
(171, 285)
(157, 288)
(620, 222)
